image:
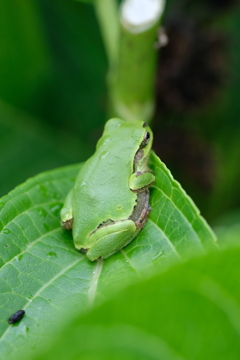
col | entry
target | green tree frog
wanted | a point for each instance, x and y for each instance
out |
(109, 203)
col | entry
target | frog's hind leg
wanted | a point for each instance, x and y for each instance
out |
(111, 238)
(67, 213)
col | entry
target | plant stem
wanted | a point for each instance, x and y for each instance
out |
(107, 14)
(131, 80)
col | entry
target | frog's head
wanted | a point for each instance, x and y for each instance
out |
(147, 140)
(134, 135)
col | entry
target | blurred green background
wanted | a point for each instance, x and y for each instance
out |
(52, 88)
(53, 93)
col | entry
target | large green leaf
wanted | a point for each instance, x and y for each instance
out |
(42, 273)
(191, 312)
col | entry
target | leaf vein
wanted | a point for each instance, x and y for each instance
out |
(165, 237)
(40, 290)
(30, 245)
(26, 211)
(93, 286)
(187, 221)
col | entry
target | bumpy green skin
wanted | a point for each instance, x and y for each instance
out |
(107, 188)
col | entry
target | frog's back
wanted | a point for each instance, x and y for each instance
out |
(101, 192)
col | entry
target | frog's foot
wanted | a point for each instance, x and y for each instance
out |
(111, 238)
(67, 213)
(67, 224)
(141, 181)
(84, 251)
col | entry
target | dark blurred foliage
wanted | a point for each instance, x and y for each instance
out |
(76, 97)
(220, 5)
(52, 69)
(187, 153)
(53, 93)
(191, 67)
(196, 114)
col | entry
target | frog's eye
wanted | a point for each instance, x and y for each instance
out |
(147, 136)
(145, 140)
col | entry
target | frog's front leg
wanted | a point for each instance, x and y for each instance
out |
(140, 181)
(110, 238)
(67, 212)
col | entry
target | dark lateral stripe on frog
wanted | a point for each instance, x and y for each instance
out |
(141, 209)
(138, 156)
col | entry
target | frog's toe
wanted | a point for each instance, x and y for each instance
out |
(67, 224)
